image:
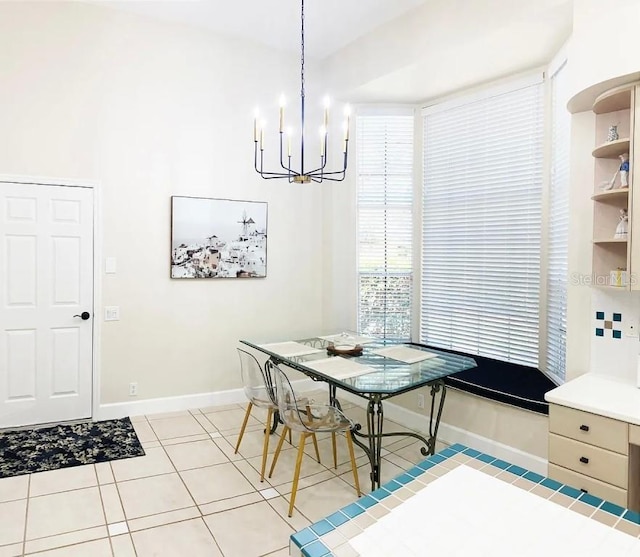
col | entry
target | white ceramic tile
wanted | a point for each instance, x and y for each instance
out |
(156, 494)
(118, 528)
(191, 538)
(144, 432)
(59, 513)
(14, 488)
(104, 473)
(12, 518)
(13, 550)
(153, 463)
(64, 479)
(269, 493)
(231, 503)
(231, 420)
(161, 519)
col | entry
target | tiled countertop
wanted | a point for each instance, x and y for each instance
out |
(599, 395)
(462, 502)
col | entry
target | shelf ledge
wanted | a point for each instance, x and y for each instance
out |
(611, 149)
(610, 194)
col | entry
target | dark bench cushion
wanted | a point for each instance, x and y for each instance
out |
(512, 384)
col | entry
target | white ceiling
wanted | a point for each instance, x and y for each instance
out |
(329, 24)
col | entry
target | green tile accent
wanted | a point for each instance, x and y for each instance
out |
(617, 334)
(617, 317)
(599, 314)
(599, 332)
(612, 508)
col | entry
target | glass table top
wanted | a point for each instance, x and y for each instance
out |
(384, 375)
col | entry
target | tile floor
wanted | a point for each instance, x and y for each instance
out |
(189, 495)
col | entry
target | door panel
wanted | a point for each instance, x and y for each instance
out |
(46, 250)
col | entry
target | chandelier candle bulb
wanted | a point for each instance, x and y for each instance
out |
(289, 134)
(282, 103)
(323, 138)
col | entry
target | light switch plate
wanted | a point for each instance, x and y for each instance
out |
(630, 328)
(110, 265)
(112, 313)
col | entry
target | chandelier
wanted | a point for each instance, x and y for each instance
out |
(301, 176)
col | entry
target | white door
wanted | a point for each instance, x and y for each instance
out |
(46, 283)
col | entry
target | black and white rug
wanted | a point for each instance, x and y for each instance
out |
(25, 451)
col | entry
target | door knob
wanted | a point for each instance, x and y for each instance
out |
(84, 315)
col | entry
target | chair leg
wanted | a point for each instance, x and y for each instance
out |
(296, 474)
(335, 452)
(315, 439)
(244, 425)
(278, 448)
(265, 448)
(353, 461)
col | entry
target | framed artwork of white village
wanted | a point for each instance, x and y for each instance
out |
(218, 238)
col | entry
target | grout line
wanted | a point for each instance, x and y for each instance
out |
(26, 516)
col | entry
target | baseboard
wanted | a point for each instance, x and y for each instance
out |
(451, 434)
(184, 402)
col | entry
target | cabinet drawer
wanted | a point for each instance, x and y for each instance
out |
(634, 434)
(589, 460)
(589, 428)
(590, 485)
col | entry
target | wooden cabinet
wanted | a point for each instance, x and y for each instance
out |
(591, 453)
(614, 108)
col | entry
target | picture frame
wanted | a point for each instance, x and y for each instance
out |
(218, 238)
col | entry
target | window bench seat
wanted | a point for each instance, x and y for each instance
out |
(514, 384)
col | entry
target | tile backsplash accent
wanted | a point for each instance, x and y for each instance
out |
(612, 352)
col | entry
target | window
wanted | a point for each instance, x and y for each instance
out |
(482, 215)
(557, 245)
(385, 224)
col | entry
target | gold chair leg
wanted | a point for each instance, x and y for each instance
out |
(335, 452)
(296, 474)
(277, 453)
(353, 461)
(315, 439)
(244, 425)
(290, 437)
(265, 448)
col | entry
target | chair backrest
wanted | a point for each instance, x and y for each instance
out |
(258, 384)
(290, 413)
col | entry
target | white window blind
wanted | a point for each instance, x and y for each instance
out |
(483, 160)
(558, 227)
(385, 225)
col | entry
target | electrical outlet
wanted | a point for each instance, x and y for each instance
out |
(421, 401)
(133, 389)
(112, 313)
(631, 328)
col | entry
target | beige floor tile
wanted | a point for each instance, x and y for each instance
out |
(253, 442)
(161, 519)
(285, 466)
(14, 488)
(215, 482)
(59, 513)
(97, 548)
(138, 418)
(252, 475)
(156, 494)
(178, 426)
(104, 473)
(222, 408)
(190, 538)
(63, 540)
(411, 453)
(231, 420)
(168, 415)
(144, 431)
(205, 423)
(111, 502)
(326, 450)
(306, 481)
(64, 479)
(298, 521)
(226, 448)
(13, 550)
(232, 503)
(284, 552)
(195, 455)
(389, 471)
(187, 439)
(123, 546)
(251, 541)
(154, 463)
(320, 500)
(399, 461)
(12, 518)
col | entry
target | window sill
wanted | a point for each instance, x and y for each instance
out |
(513, 384)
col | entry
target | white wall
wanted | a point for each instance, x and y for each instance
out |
(149, 110)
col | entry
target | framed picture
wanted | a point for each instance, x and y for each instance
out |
(218, 238)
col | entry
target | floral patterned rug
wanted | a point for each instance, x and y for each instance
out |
(35, 450)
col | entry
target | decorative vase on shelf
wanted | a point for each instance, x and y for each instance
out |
(622, 229)
(613, 134)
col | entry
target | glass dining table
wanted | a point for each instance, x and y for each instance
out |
(373, 376)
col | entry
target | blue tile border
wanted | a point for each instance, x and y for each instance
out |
(309, 540)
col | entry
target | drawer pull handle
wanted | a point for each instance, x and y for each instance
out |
(584, 490)
(584, 427)
(584, 460)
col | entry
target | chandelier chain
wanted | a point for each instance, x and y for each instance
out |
(302, 50)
